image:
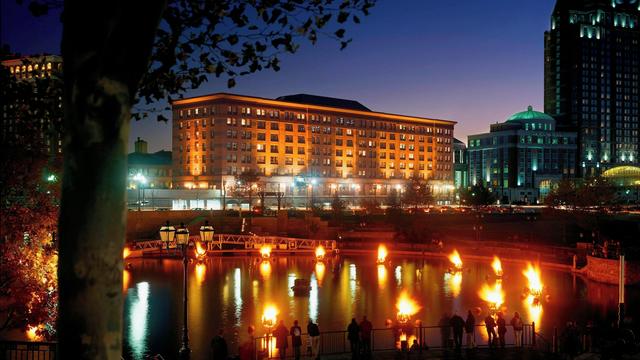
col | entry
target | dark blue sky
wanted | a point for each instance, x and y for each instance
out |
(475, 62)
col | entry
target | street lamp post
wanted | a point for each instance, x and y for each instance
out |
(182, 240)
(167, 234)
(206, 232)
(141, 180)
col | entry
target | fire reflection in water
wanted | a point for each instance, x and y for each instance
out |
(382, 276)
(138, 318)
(453, 283)
(237, 294)
(320, 269)
(201, 271)
(265, 269)
(126, 277)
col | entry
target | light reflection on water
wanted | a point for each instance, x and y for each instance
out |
(138, 315)
(232, 292)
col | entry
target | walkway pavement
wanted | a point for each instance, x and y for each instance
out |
(476, 354)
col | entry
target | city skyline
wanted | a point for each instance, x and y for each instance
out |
(436, 79)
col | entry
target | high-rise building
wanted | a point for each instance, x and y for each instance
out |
(592, 70)
(460, 165)
(32, 107)
(521, 158)
(332, 146)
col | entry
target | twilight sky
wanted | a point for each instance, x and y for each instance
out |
(475, 62)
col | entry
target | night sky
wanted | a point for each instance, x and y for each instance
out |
(475, 62)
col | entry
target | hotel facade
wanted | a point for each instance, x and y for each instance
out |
(306, 146)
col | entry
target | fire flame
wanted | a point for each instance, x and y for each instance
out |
(494, 296)
(200, 251)
(269, 316)
(382, 253)
(532, 273)
(455, 259)
(497, 266)
(265, 251)
(126, 252)
(406, 307)
(320, 253)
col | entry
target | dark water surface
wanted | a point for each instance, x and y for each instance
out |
(231, 293)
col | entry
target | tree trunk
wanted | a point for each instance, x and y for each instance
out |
(106, 47)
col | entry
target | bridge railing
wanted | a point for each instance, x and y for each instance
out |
(248, 242)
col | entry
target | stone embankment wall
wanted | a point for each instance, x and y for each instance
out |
(608, 270)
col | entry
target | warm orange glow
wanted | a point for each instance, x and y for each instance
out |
(497, 266)
(382, 276)
(320, 269)
(320, 253)
(126, 278)
(265, 251)
(494, 296)
(407, 307)
(269, 317)
(126, 252)
(534, 308)
(265, 269)
(532, 273)
(454, 282)
(382, 253)
(201, 252)
(32, 333)
(455, 259)
(201, 270)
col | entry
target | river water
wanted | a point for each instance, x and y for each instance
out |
(230, 293)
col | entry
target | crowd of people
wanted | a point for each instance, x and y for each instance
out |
(496, 330)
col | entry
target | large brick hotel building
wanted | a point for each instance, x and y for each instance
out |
(302, 142)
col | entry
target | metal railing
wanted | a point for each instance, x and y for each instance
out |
(27, 350)
(245, 241)
(388, 339)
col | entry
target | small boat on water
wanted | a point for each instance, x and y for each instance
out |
(301, 287)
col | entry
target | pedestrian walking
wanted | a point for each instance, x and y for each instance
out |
(457, 324)
(516, 322)
(365, 336)
(246, 350)
(502, 329)
(282, 342)
(445, 330)
(469, 328)
(490, 324)
(314, 334)
(353, 335)
(296, 339)
(219, 350)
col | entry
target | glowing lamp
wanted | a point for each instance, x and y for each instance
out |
(182, 235)
(206, 232)
(167, 233)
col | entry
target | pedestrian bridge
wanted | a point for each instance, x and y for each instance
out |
(222, 242)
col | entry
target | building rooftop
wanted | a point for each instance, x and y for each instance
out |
(159, 158)
(324, 101)
(530, 114)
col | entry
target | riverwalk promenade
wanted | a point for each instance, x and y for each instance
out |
(475, 354)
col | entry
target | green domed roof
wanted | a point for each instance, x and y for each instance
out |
(530, 114)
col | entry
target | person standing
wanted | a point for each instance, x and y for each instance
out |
(219, 350)
(516, 322)
(282, 342)
(490, 324)
(502, 329)
(247, 348)
(314, 333)
(469, 328)
(457, 324)
(365, 336)
(445, 330)
(353, 335)
(296, 339)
